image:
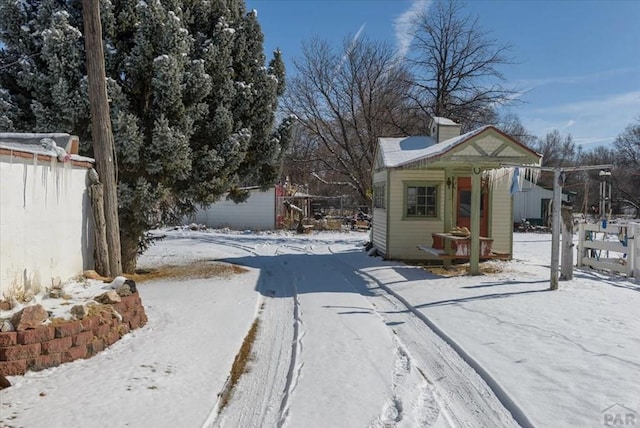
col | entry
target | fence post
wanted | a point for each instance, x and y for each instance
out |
(634, 250)
(566, 258)
(581, 238)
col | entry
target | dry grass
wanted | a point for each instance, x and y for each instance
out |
(196, 270)
(239, 365)
(98, 309)
(463, 269)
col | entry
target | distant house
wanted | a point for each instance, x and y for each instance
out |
(533, 203)
(426, 186)
(46, 229)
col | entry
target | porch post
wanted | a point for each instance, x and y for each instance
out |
(476, 191)
(449, 191)
(448, 200)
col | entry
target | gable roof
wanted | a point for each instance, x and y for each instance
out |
(396, 152)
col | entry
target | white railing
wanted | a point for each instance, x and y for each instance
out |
(610, 247)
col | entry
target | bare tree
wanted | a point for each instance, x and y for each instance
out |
(344, 100)
(455, 64)
(557, 150)
(510, 124)
(627, 146)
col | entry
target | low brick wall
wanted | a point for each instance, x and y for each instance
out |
(57, 343)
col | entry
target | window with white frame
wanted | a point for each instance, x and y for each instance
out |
(379, 195)
(421, 200)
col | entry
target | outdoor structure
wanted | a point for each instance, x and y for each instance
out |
(533, 203)
(263, 210)
(258, 212)
(427, 186)
(46, 228)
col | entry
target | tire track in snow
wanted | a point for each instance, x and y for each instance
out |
(501, 395)
(468, 395)
(293, 374)
(295, 368)
(413, 400)
(264, 390)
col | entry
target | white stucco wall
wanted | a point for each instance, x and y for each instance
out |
(258, 212)
(46, 233)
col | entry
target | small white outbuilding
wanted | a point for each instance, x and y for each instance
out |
(258, 212)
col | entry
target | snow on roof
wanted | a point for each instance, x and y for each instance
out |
(46, 144)
(404, 150)
(443, 121)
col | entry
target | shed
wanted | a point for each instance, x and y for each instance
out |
(533, 203)
(46, 229)
(258, 212)
(427, 185)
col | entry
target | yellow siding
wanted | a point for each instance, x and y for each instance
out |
(501, 215)
(406, 234)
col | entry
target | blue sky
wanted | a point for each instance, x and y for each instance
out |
(578, 61)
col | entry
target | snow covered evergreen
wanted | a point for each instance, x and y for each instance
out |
(193, 99)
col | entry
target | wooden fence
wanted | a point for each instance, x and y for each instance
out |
(610, 247)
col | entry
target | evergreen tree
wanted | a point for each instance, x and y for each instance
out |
(192, 99)
(43, 65)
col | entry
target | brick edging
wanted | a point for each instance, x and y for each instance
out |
(55, 344)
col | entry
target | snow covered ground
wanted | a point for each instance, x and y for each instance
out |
(347, 340)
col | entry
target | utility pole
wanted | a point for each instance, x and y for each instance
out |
(103, 147)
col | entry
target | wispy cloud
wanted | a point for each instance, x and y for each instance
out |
(589, 121)
(403, 25)
(578, 79)
(606, 105)
(352, 46)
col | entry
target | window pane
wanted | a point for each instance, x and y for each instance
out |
(422, 201)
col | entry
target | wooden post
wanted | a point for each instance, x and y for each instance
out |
(103, 147)
(476, 194)
(555, 229)
(581, 238)
(633, 242)
(566, 268)
(101, 254)
(449, 191)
